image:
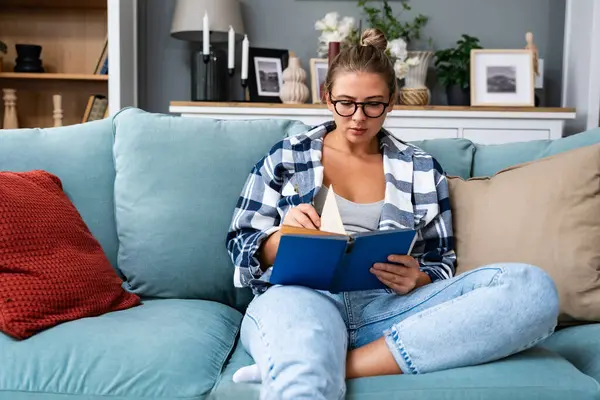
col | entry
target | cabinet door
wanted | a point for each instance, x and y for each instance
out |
(499, 136)
(413, 134)
(122, 54)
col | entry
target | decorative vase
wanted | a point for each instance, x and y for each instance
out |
(415, 92)
(28, 58)
(294, 89)
(333, 51)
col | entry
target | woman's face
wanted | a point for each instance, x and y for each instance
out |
(359, 123)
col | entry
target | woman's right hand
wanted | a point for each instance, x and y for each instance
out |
(303, 216)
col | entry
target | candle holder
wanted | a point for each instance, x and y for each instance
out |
(209, 78)
(231, 72)
(244, 83)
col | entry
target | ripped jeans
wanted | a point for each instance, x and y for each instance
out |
(299, 337)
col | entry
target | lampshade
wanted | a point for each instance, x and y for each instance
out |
(188, 15)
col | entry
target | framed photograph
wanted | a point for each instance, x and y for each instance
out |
(318, 73)
(502, 78)
(265, 73)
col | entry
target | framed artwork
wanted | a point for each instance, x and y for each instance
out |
(265, 73)
(318, 73)
(502, 78)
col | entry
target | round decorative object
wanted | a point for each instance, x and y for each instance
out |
(414, 96)
(28, 58)
(294, 90)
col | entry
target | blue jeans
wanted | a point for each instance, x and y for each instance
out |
(299, 337)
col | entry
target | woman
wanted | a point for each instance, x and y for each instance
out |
(305, 342)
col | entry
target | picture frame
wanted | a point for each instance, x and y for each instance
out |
(265, 73)
(318, 73)
(502, 78)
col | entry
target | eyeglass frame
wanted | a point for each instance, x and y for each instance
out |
(357, 104)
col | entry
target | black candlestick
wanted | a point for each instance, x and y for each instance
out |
(231, 71)
(244, 85)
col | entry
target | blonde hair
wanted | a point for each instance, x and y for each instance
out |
(368, 56)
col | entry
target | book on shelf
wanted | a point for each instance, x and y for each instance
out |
(102, 64)
(96, 108)
(331, 259)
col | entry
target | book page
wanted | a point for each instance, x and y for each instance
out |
(331, 221)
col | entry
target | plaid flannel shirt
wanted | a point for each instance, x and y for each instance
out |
(291, 173)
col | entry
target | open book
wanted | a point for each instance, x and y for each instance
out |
(332, 260)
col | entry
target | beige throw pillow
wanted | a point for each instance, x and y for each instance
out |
(546, 213)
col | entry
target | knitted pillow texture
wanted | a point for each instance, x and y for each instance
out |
(52, 270)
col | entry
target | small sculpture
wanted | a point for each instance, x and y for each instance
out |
(531, 46)
(294, 90)
(10, 109)
(57, 113)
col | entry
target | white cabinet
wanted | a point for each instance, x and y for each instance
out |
(489, 125)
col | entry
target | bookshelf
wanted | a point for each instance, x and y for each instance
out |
(72, 34)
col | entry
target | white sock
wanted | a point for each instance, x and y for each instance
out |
(249, 374)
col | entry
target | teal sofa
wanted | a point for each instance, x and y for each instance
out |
(158, 192)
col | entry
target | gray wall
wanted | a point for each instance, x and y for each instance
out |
(289, 24)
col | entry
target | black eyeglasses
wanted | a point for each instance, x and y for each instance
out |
(347, 108)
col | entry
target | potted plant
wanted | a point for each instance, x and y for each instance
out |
(385, 20)
(3, 50)
(453, 67)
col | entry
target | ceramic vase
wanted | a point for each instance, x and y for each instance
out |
(294, 89)
(415, 92)
(28, 58)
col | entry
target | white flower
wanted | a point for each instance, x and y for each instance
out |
(346, 26)
(329, 22)
(413, 62)
(334, 36)
(333, 30)
(401, 68)
(397, 49)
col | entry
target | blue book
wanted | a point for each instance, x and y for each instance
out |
(336, 262)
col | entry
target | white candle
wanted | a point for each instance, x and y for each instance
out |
(245, 51)
(231, 59)
(205, 35)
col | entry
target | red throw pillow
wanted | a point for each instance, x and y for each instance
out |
(52, 270)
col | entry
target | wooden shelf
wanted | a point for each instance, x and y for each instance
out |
(72, 34)
(53, 76)
(74, 4)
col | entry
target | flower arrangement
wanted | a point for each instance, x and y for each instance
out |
(335, 29)
(343, 30)
(396, 50)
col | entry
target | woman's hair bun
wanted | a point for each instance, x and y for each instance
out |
(374, 37)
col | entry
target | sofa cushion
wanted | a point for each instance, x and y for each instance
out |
(546, 213)
(489, 159)
(454, 155)
(177, 183)
(534, 374)
(52, 269)
(580, 345)
(163, 349)
(81, 156)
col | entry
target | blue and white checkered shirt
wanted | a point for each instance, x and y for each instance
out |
(416, 197)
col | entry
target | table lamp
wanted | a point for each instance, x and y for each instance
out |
(209, 22)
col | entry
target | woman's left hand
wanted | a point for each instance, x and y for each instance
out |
(403, 276)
